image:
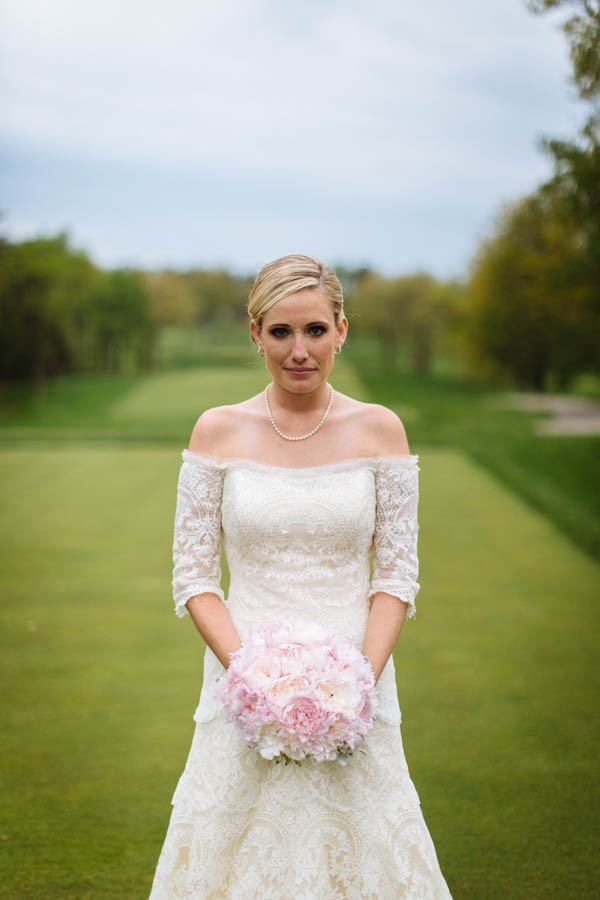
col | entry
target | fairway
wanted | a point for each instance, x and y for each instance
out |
(497, 680)
(159, 407)
(183, 395)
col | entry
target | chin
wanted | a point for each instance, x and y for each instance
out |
(301, 382)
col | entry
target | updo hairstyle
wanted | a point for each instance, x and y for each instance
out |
(288, 274)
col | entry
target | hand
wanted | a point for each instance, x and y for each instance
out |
(368, 659)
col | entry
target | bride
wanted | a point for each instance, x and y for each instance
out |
(305, 486)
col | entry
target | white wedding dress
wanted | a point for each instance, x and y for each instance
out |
(298, 544)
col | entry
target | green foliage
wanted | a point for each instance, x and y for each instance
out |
(379, 310)
(60, 314)
(532, 310)
(198, 296)
(411, 311)
(577, 163)
(43, 289)
(219, 295)
(172, 299)
(120, 322)
(583, 33)
(532, 313)
(577, 183)
(351, 279)
(197, 300)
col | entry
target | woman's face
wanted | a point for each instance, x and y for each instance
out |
(299, 338)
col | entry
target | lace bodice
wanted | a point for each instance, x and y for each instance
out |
(299, 542)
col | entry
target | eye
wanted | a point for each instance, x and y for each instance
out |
(317, 330)
(278, 332)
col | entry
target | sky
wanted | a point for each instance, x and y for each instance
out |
(230, 132)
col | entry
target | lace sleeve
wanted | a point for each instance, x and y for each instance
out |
(197, 537)
(395, 563)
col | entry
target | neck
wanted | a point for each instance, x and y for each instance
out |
(301, 402)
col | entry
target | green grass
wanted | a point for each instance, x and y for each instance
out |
(497, 679)
(160, 407)
(220, 344)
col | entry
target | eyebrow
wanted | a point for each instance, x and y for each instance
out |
(286, 324)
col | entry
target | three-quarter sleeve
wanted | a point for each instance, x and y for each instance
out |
(197, 533)
(395, 559)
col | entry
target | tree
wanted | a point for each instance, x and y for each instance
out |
(428, 304)
(350, 279)
(577, 163)
(218, 294)
(379, 311)
(583, 34)
(410, 310)
(531, 305)
(120, 316)
(43, 287)
(171, 296)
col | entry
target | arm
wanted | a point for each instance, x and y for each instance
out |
(394, 583)
(213, 621)
(384, 625)
(196, 555)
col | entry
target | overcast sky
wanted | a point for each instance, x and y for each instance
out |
(230, 132)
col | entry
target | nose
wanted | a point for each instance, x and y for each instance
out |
(299, 352)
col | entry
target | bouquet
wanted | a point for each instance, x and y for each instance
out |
(294, 691)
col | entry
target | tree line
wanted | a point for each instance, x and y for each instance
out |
(61, 314)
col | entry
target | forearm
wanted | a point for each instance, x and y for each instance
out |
(386, 618)
(211, 618)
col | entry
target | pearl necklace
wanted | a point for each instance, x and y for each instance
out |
(302, 437)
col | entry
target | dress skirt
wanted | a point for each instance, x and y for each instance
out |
(246, 828)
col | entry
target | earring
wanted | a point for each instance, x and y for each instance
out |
(338, 350)
(260, 350)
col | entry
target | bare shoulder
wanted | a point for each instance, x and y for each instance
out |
(386, 430)
(212, 429)
(221, 430)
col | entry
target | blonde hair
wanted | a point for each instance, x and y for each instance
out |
(288, 274)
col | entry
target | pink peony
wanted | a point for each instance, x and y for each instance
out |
(304, 716)
(293, 691)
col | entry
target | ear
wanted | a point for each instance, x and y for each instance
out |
(342, 331)
(254, 331)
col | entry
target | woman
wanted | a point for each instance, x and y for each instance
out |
(303, 483)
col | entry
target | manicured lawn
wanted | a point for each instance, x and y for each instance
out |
(497, 676)
(498, 682)
(161, 406)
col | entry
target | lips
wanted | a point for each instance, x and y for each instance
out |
(300, 370)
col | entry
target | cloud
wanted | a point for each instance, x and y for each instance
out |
(379, 108)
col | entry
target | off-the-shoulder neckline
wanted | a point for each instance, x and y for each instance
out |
(352, 462)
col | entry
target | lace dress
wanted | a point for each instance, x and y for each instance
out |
(298, 542)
